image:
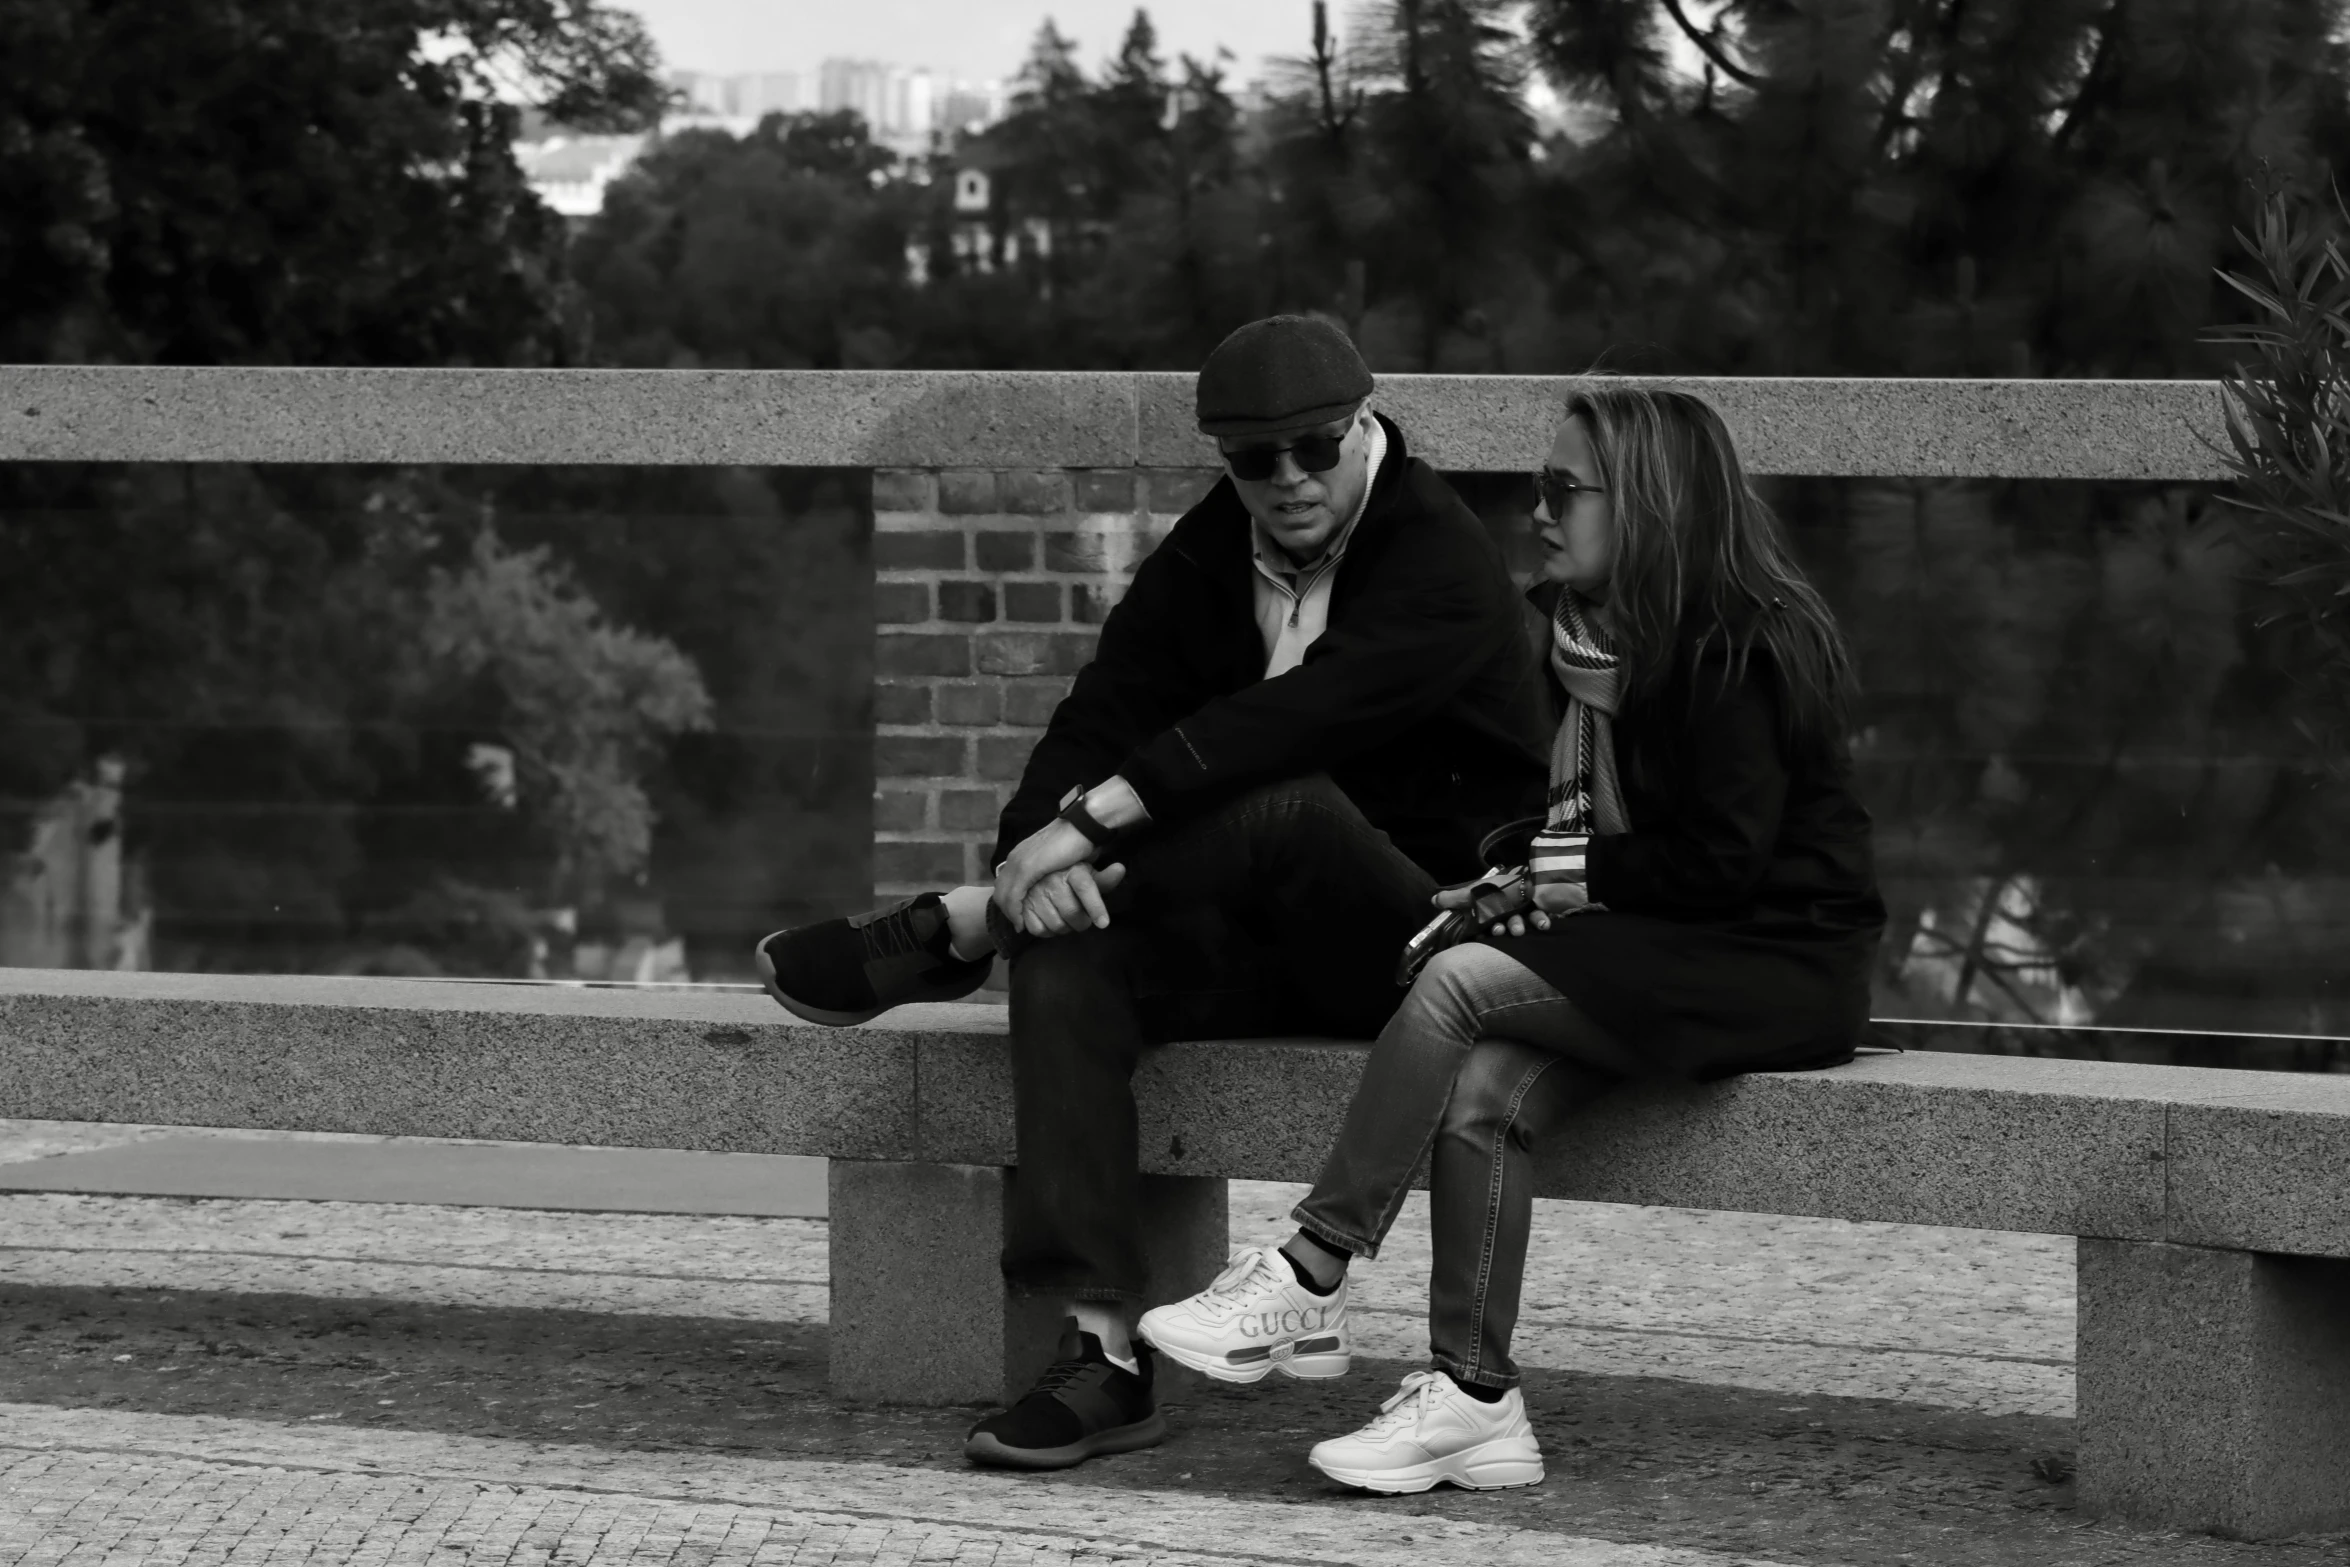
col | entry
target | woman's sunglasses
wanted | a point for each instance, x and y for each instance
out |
(1558, 490)
(1314, 454)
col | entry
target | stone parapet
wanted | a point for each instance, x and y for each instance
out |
(1012, 507)
(1991, 1142)
(1036, 421)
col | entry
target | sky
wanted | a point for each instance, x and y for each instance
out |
(976, 39)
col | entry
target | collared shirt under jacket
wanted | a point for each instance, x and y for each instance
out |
(1421, 698)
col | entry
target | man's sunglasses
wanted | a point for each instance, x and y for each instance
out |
(1558, 490)
(1314, 454)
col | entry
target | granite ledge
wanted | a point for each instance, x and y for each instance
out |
(1892, 427)
(2217, 1158)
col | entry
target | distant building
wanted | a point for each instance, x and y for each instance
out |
(737, 103)
(981, 234)
(775, 92)
(972, 106)
(905, 108)
(705, 93)
(898, 104)
(570, 173)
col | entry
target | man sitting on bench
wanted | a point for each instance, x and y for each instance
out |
(1313, 701)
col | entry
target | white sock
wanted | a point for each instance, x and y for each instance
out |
(959, 901)
(1107, 1328)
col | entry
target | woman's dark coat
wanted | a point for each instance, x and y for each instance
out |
(1742, 913)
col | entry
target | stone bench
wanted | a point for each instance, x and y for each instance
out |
(2212, 1207)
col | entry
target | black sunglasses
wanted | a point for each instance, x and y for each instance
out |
(1559, 489)
(1314, 454)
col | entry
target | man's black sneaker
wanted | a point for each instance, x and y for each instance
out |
(1082, 1407)
(842, 971)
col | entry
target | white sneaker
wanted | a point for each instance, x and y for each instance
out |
(1252, 1320)
(1433, 1431)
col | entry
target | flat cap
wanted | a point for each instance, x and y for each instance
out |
(1281, 373)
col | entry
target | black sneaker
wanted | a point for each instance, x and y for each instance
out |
(1082, 1407)
(842, 971)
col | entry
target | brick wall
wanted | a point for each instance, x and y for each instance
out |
(989, 589)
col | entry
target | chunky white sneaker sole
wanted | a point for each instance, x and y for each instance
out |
(1498, 1465)
(1310, 1359)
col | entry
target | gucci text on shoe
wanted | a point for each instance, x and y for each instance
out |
(1255, 1318)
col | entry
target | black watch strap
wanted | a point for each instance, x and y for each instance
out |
(1096, 832)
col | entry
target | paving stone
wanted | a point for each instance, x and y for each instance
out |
(237, 1490)
(1962, 1319)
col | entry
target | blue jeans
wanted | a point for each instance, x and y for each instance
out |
(1482, 1059)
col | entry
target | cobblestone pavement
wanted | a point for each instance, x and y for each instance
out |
(1959, 1318)
(227, 1382)
(91, 1487)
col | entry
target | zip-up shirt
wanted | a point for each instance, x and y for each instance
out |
(1293, 601)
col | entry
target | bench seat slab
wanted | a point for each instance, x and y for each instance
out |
(920, 1314)
(2214, 1388)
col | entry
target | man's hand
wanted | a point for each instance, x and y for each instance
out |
(1069, 901)
(1055, 846)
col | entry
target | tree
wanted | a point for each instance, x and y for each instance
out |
(580, 704)
(295, 665)
(1051, 146)
(2288, 411)
(2000, 187)
(1453, 138)
(1315, 162)
(777, 249)
(1129, 109)
(764, 580)
(293, 181)
(298, 670)
(1183, 254)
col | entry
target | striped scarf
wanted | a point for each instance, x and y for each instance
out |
(1584, 794)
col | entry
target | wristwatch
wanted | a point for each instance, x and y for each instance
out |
(1097, 832)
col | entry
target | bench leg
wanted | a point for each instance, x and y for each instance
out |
(2214, 1388)
(920, 1314)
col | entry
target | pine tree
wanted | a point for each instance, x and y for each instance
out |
(1130, 108)
(1322, 206)
(1924, 186)
(1452, 138)
(1049, 146)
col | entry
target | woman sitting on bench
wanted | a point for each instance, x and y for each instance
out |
(1699, 901)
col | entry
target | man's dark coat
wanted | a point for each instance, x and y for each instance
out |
(1421, 699)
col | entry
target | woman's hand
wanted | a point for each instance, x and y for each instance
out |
(1561, 897)
(1449, 898)
(1519, 924)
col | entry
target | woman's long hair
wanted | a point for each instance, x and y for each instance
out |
(1701, 561)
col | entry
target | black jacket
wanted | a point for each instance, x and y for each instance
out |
(1742, 912)
(1421, 699)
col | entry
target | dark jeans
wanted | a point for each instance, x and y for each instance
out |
(1481, 1060)
(1280, 913)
